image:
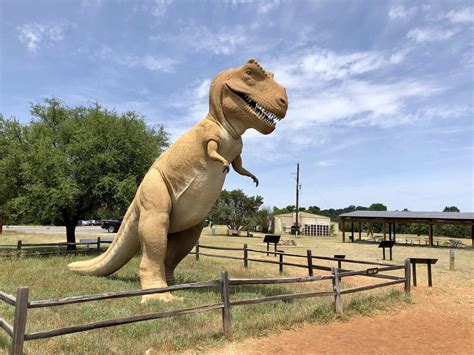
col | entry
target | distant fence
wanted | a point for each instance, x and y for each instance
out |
(44, 249)
(282, 255)
(22, 303)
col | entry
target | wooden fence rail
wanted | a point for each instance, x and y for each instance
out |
(281, 261)
(28, 249)
(22, 303)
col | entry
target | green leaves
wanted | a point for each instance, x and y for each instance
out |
(73, 163)
(235, 209)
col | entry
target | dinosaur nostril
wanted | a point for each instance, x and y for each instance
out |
(282, 101)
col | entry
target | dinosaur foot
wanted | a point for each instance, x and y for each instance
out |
(163, 297)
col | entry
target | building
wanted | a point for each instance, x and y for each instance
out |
(310, 224)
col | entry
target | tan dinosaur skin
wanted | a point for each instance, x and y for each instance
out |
(165, 217)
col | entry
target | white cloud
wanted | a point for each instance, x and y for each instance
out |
(266, 6)
(149, 62)
(421, 35)
(321, 66)
(35, 33)
(401, 12)
(465, 14)
(160, 7)
(225, 41)
(325, 163)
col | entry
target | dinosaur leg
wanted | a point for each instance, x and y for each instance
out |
(179, 245)
(153, 225)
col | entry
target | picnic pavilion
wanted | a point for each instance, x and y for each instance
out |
(391, 218)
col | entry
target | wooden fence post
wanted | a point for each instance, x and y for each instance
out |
(407, 276)
(197, 251)
(337, 289)
(225, 296)
(98, 243)
(18, 245)
(246, 256)
(281, 262)
(310, 262)
(19, 325)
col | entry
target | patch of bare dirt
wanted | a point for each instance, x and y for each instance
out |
(440, 320)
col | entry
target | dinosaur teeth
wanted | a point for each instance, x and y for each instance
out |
(262, 113)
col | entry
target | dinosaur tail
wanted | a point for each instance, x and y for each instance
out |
(123, 248)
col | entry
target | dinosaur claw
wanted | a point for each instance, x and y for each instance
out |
(226, 169)
(255, 180)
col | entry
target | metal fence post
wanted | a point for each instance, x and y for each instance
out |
(98, 243)
(18, 245)
(407, 276)
(310, 262)
(336, 288)
(197, 251)
(19, 325)
(225, 296)
(246, 255)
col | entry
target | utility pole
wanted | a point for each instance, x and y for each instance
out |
(297, 197)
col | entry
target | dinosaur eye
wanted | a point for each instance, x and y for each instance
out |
(248, 72)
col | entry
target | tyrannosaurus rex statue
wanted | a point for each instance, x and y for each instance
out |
(165, 217)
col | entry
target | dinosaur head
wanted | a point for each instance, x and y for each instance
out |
(247, 97)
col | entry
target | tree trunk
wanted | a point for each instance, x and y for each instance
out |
(1, 224)
(71, 234)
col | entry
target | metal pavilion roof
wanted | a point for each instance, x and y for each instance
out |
(454, 216)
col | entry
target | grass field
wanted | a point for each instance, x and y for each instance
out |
(49, 278)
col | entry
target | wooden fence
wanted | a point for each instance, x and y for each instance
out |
(22, 303)
(308, 259)
(44, 249)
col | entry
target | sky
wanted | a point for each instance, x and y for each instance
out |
(381, 93)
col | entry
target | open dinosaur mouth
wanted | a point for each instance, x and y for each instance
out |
(269, 118)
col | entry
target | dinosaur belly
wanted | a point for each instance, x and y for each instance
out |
(194, 203)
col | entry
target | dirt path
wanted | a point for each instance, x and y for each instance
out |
(440, 320)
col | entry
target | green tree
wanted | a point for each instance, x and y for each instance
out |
(74, 163)
(235, 209)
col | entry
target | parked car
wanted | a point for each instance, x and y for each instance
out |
(83, 223)
(112, 225)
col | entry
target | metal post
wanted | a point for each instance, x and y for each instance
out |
(337, 290)
(310, 262)
(407, 276)
(18, 245)
(197, 251)
(352, 231)
(19, 325)
(297, 223)
(225, 296)
(246, 255)
(343, 230)
(98, 243)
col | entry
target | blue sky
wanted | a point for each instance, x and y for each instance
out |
(380, 92)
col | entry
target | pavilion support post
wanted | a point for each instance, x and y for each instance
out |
(343, 230)
(394, 235)
(352, 231)
(384, 230)
(472, 236)
(360, 230)
(430, 234)
(390, 231)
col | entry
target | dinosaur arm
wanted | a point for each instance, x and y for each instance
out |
(214, 155)
(237, 165)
